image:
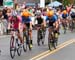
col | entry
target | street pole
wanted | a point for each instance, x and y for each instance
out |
(42, 3)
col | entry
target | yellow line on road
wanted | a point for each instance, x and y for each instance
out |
(55, 50)
(46, 53)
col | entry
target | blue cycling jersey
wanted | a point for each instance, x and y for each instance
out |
(26, 20)
(64, 16)
(53, 18)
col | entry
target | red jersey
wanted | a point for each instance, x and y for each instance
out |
(15, 22)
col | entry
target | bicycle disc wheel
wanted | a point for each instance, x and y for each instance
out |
(19, 47)
(12, 48)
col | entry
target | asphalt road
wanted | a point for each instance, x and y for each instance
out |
(64, 51)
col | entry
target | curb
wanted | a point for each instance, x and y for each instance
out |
(4, 36)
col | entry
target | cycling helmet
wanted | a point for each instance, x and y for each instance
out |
(50, 13)
(25, 13)
(64, 12)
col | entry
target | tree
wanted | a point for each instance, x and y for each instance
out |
(66, 2)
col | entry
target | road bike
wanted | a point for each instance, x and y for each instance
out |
(40, 35)
(15, 45)
(26, 38)
(52, 39)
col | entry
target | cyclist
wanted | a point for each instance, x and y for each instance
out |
(64, 16)
(72, 21)
(52, 21)
(26, 20)
(14, 26)
(40, 22)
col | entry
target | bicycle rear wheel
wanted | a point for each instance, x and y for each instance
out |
(12, 47)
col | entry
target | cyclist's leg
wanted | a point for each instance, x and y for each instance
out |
(20, 37)
(29, 26)
(30, 33)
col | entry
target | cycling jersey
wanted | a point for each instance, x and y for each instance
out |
(39, 20)
(26, 19)
(52, 19)
(15, 22)
(64, 16)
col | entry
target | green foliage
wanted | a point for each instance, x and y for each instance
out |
(74, 2)
(66, 2)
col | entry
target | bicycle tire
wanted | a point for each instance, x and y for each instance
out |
(44, 32)
(56, 38)
(19, 49)
(25, 44)
(38, 38)
(12, 49)
(54, 44)
(30, 48)
(50, 45)
(64, 26)
(50, 41)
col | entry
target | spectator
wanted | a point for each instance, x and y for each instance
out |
(1, 23)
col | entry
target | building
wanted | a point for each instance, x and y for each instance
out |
(27, 1)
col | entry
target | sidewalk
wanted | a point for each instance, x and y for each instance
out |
(4, 36)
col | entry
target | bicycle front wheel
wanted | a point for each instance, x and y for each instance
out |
(25, 44)
(19, 47)
(12, 47)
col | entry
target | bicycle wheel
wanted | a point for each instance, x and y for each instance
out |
(43, 38)
(25, 44)
(43, 35)
(38, 37)
(29, 45)
(0, 52)
(64, 27)
(54, 44)
(12, 47)
(50, 41)
(50, 45)
(19, 47)
(56, 38)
